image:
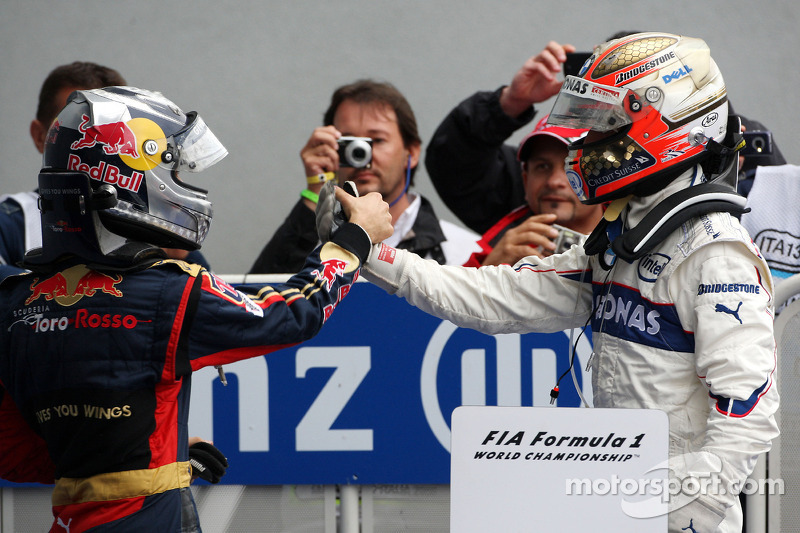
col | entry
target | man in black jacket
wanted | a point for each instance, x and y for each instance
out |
(375, 110)
(475, 173)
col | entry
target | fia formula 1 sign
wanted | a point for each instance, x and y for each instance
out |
(369, 399)
(562, 470)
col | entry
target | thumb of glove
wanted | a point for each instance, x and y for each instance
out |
(329, 214)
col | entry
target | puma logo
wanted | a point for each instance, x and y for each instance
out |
(691, 520)
(719, 308)
(62, 524)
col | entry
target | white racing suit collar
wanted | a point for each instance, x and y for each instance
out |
(638, 207)
(646, 221)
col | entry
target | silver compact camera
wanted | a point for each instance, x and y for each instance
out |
(355, 152)
(566, 238)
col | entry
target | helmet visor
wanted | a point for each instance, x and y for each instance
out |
(585, 104)
(197, 147)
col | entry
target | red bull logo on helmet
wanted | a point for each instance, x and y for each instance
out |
(68, 287)
(116, 137)
(107, 173)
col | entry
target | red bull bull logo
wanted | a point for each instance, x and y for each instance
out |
(116, 137)
(93, 281)
(68, 287)
(50, 288)
(330, 269)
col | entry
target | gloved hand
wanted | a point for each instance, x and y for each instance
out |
(330, 216)
(207, 462)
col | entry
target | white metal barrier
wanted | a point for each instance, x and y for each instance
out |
(768, 510)
(276, 509)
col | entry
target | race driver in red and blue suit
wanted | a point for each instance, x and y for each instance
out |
(98, 342)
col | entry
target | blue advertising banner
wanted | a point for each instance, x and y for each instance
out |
(369, 400)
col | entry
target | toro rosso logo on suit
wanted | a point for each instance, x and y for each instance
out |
(68, 287)
(83, 319)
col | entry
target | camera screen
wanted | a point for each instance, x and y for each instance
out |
(566, 239)
(574, 62)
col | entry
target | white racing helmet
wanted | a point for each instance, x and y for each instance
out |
(653, 101)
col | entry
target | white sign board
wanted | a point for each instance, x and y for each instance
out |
(517, 469)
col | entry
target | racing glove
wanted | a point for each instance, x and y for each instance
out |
(207, 462)
(329, 213)
(385, 267)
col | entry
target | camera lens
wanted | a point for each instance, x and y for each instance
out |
(758, 144)
(358, 153)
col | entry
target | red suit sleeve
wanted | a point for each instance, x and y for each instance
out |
(23, 453)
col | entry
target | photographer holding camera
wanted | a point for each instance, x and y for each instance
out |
(552, 218)
(369, 137)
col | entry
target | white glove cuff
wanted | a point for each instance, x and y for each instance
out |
(385, 266)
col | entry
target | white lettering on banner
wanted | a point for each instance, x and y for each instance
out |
(544, 367)
(509, 370)
(252, 376)
(473, 377)
(314, 433)
(352, 364)
(509, 378)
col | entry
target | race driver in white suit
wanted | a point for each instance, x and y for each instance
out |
(678, 297)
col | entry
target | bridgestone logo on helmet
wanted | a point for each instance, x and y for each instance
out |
(641, 69)
(107, 173)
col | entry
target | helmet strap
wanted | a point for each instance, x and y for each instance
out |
(721, 164)
(663, 219)
(70, 227)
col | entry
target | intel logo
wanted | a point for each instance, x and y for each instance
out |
(651, 265)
